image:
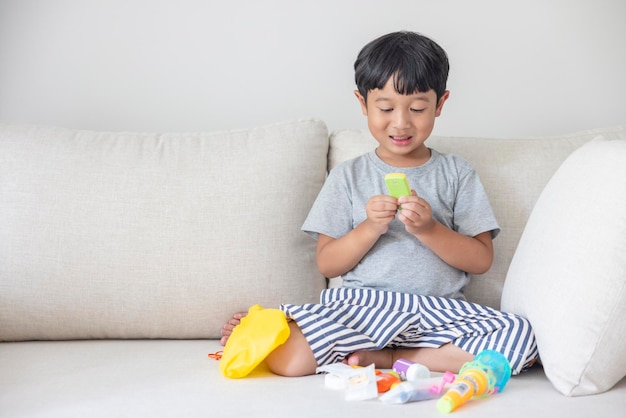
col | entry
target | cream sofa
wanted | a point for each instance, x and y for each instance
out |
(122, 254)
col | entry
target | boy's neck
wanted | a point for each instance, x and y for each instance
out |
(414, 159)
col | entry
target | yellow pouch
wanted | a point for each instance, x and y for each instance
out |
(257, 335)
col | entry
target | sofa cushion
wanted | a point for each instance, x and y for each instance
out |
(138, 235)
(568, 275)
(173, 378)
(513, 171)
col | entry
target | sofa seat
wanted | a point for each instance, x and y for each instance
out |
(176, 378)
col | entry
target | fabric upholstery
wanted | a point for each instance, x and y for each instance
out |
(140, 235)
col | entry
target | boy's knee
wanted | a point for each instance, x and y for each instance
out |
(294, 357)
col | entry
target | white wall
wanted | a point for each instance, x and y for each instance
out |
(519, 68)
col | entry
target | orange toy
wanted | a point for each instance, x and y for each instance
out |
(384, 381)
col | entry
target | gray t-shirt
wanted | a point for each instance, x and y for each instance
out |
(399, 261)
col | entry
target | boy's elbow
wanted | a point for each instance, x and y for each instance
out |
(482, 265)
(330, 267)
(326, 270)
(481, 269)
(483, 255)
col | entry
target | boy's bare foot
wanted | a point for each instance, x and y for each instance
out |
(229, 326)
(382, 359)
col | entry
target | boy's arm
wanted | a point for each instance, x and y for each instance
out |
(473, 255)
(470, 254)
(336, 257)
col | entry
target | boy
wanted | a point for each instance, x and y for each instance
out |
(404, 262)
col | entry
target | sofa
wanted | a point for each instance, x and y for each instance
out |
(122, 254)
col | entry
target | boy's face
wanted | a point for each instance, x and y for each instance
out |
(401, 123)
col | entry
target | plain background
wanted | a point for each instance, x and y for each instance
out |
(518, 68)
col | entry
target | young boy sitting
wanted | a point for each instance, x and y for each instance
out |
(404, 262)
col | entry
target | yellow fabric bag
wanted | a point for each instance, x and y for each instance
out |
(257, 335)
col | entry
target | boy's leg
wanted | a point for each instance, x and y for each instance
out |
(294, 357)
(448, 357)
(460, 329)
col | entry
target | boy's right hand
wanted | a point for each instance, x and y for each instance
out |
(381, 210)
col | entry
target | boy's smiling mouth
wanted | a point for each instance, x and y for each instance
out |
(401, 140)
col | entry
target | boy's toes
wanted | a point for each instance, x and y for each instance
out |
(353, 360)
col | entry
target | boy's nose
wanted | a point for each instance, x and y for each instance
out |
(402, 120)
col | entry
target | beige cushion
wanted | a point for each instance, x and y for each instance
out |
(133, 235)
(513, 171)
(175, 379)
(568, 275)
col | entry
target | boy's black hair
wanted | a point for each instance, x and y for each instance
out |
(416, 63)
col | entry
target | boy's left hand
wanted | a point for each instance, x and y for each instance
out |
(416, 214)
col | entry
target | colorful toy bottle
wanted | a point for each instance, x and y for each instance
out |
(409, 370)
(486, 375)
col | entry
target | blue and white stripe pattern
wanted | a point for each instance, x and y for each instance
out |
(349, 320)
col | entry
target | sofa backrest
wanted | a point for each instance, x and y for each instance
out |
(513, 172)
(140, 235)
(137, 235)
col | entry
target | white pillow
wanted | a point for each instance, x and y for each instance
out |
(568, 273)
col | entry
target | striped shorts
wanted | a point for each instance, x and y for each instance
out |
(349, 320)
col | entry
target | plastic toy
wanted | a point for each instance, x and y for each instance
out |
(409, 370)
(486, 375)
(359, 383)
(448, 377)
(258, 334)
(385, 380)
(417, 390)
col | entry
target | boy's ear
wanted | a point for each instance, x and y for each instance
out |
(441, 101)
(362, 102)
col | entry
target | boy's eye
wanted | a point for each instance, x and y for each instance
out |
(390, 109)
